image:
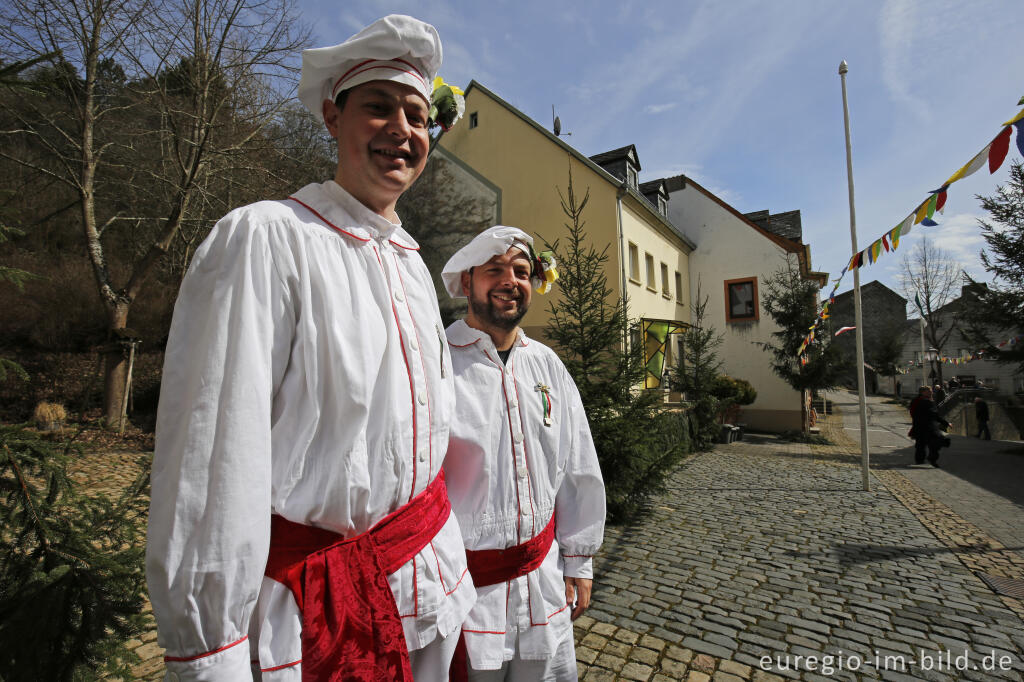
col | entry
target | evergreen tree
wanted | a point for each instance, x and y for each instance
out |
(72, 583)
(791, 301)
(636, 441)
(998, 309)
(698, 373)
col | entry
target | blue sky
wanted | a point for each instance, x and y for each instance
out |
(745, 97)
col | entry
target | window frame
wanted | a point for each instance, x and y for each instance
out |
(652, 277)
(474, 120)
(634, 263)
(729, 317)
(666, 290)
(679, 287)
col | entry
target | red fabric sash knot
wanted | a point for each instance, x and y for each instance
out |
(351, 629)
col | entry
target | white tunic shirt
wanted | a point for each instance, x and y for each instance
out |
(507, 473)
(306, 375)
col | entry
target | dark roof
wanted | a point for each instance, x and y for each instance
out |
(786, 224)
(652, 187)
(873, 284)
(629, 151)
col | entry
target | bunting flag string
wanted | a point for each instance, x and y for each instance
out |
(993, 155)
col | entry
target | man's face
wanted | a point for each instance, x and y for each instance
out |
(382, 142)
(499, 291)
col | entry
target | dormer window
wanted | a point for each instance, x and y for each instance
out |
(662, 206)
(631, 176)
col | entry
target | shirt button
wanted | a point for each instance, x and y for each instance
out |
(398, 296)
(422, 398)
(518, 438)
(413, 344)
(423, 456)
(521, 471)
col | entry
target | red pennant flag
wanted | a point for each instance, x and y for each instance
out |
(941, 201)
(997, 153)
(885, 242)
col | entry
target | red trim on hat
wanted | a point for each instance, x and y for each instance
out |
(379, 64)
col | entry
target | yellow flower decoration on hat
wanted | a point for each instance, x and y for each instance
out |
(548, 271)
(447, 104)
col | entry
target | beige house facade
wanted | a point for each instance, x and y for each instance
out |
(735, 254)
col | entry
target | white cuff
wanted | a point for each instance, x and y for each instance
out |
(578, 567)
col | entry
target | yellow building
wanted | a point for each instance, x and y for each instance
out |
(529, 167)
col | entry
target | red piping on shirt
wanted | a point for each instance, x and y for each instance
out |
(515, 475)
(182, 659)
(423, 365)
(280, 667)
(328, 222)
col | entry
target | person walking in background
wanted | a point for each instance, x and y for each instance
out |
(939, 394)
(981, 412)
(928, 428)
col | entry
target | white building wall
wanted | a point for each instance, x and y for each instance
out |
(729, 248)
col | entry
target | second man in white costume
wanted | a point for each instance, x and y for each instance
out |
(522, 471)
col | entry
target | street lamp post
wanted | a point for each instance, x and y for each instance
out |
(865, 456)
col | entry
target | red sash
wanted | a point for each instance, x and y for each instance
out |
(351, 629)
(493, 566)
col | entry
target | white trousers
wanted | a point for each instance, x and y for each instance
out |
(561, 667)
(431, 663)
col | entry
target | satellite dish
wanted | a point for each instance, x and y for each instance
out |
(558, 126)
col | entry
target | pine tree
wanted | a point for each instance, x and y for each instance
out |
(698, 372)
(71, 568)
(636, 441)
(791, 301)
(998, 308)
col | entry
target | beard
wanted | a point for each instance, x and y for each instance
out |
(486, 311)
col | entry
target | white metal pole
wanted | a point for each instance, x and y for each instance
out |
(924, 367)
(858, 320)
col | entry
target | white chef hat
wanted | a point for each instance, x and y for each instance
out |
(494, 241)
(396, 48)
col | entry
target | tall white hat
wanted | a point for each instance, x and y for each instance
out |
(396, 48)
(494, 241)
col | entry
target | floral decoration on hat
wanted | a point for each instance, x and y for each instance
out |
(447, 104)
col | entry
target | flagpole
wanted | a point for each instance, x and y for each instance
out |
(858, 321)
(924, 367)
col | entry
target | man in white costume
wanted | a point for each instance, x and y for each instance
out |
(522, 471)
(299, 525)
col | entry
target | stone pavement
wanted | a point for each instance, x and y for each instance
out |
(764, 560)
(764, 551)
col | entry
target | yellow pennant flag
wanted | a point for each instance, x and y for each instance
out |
(972, 166)
(1016, 118)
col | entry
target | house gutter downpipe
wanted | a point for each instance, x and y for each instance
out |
(858, 320)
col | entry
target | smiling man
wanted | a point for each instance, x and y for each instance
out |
(522, 470)
(299, 526)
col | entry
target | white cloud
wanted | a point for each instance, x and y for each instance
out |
(659, 108)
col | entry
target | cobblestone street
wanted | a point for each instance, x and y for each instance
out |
(770, 549)
(764, 548)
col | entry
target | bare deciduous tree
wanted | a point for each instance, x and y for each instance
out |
(931, 278)
(205, 80)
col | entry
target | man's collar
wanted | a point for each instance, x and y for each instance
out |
(461, 334)
(348, 215)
